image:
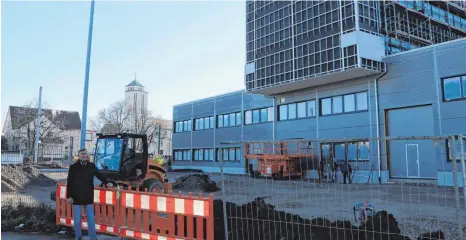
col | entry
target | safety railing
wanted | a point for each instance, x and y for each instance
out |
(144, 215)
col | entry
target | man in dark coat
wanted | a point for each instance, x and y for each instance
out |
(346, 170)
(80, 192)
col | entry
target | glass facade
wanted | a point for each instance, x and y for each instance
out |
(288, 41)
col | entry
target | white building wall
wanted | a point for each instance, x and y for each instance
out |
(136, 101)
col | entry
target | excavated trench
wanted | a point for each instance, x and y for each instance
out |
(254, 220)
(259, 220)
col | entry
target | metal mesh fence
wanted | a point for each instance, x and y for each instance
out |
(346, 189)
(29, 181)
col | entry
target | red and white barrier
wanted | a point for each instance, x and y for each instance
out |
(134, 214)
(100, 196)
(98, 227)
(141, 235)
(167, 204)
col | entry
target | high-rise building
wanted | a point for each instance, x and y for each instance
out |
(331, 70)
(292, 45)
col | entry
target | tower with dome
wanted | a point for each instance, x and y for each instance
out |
(135, 101)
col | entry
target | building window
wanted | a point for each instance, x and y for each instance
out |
(183, 126)
(204, 123)
(229, 120)
(344, 104)
(248, 117)
(258, 115)
(454, 88)
(296, 110)
(182, 155)
(255, 116)
(350, 151)
(206, 154)
(458, 149)
(337, 105)
(228, 154)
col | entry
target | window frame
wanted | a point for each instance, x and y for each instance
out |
(221, 153)
(201, 152)
(200, 123)
(222, 116)
(357, 144)
(448, 150)
(287, 107)
(182, 124)
(462, 78)
(259, 111)
(355, 102)
(183, 153)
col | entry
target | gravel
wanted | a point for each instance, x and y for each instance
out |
(17, 177)
(414, 226)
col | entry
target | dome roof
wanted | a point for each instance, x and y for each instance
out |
(134, 83)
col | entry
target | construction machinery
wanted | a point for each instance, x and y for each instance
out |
(124, 161)
(279, 160)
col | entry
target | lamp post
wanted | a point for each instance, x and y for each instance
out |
(37, 127)
(86, 79)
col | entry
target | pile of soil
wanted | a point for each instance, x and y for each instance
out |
(52, 164)
(195, 182)
(16, 177)
(22, 218)
(259, 220)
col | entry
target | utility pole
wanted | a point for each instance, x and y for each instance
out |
(37, 127)
(158, 141)
(86, 79)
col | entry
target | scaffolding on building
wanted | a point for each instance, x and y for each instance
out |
(413, 24)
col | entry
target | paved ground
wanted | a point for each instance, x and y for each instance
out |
(418, 208)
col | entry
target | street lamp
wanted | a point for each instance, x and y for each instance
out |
(86, 79)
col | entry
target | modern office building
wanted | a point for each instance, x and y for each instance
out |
(331, 70)
(296, 44)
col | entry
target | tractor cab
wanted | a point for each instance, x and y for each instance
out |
(122, 157)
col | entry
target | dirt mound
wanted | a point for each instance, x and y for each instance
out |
(16, 177)
(195, 182)
(259, 220)
(52, 164)
(22, 218)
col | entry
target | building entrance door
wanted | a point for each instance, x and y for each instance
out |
(412, 160)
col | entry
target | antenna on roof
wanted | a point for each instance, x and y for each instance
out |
(134, 75)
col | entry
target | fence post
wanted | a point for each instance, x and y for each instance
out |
(225, 218)
(455, 183)
(71, 150)
(463, 173)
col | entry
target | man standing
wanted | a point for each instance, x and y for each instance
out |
(80, 192)
(345, 168)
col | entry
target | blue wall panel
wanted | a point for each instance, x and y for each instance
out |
(413, 79)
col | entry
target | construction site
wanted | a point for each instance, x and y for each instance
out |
(350, 126)
(275, 202)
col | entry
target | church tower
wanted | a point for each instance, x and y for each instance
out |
(135, 101)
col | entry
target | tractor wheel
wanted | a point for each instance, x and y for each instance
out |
(153, 184)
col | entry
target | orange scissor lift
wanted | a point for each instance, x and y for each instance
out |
(279, 160)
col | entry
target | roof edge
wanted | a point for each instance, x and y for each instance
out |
(209, 98)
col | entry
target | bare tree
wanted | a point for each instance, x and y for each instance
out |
(25, 120)
(118, 118)
(114, 119)
(146, 124)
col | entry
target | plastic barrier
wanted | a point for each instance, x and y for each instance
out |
(144, 215)
(105, 210)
